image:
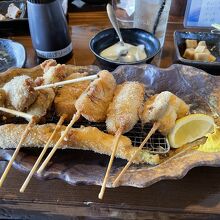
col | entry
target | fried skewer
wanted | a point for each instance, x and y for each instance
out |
(66, 82)
(32, 121)
(83, 138)
(92, 104)
(19, 94)
(122, 116)
(53, 73)
(34, 168)
(163, 110)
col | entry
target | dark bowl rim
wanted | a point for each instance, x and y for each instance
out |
(125, 63)
(187, 61)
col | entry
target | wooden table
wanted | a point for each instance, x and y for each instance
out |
(195, 196)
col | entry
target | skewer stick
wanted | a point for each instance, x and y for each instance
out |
(63, 135)
(152, 131)
(65, 82)
(26, 182)
(28, 117)
(24, 135)
(115, 146)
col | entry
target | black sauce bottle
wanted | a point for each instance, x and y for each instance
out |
(49, 30)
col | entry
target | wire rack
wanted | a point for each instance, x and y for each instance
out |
(157, 144)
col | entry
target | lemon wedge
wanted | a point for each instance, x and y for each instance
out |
(190, 128)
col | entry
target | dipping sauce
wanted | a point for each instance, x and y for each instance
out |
(114, 53)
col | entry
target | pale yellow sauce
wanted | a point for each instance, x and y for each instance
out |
(135, 53)
(212, 143)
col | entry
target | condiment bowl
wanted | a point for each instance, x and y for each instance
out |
(213, 43)
(134, 36)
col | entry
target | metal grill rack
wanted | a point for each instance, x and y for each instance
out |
(157, 144)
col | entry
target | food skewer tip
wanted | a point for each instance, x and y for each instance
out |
(24, 135)
(117, 137)
(34, 168)
(61, 83)
(28, 117)
(151, 132)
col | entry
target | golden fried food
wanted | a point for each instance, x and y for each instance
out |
(54, 74)
(94, 101)
(123, 111)
(2, 98)
(85, 138)
(167, 121)
(47, 64)
(20, 92)
(198, 51)
(191, 43)
(67, 95)
(181, 108)
(164, 108)
(43, 102)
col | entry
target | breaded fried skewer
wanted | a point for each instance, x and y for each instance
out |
(83, 138)
(32, 121)
(53, 73)
(162, 110)
(92, 105)
(19, 94)
(122, 116)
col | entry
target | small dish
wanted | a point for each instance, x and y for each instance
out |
(213, 44)
(12, 54)
(14, 25)
(20, 4)
(135, 36)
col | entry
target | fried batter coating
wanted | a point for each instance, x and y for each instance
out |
(20, 92)
(67, 95)
(2, 98)
(43, 102)
(84, 138)
(47, 64)
(94, 102)
(55, 74)
(123, 111)
(164, 108)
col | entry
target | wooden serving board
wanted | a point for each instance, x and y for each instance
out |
(197, 88)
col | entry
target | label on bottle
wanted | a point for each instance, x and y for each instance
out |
(55, 54)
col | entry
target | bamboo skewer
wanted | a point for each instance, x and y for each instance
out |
(63, 135)
(34, 168)
(152, 131)
(28, 117)
(65, 82)
(24, 135)
(115, 146)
